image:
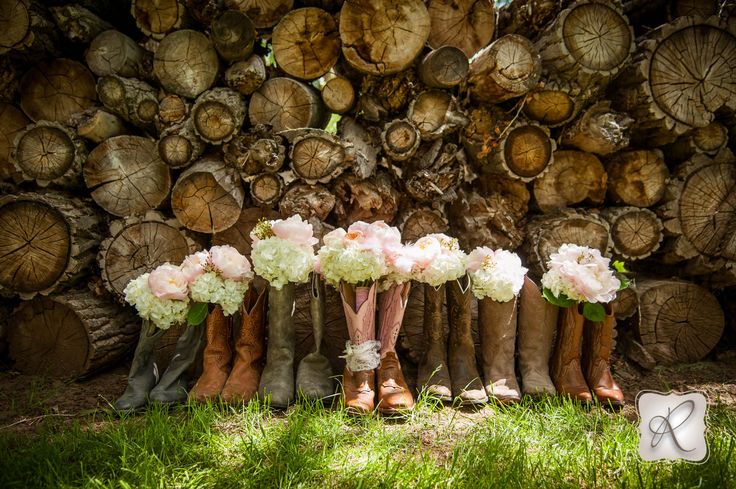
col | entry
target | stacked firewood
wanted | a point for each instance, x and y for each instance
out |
(133, 133)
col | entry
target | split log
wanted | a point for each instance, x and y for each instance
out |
(218, 114)
(246, 76)
(137, 245)
(179, 145)
(317, 156)
(267, 188)
(186, 63)
(445, 67)
(208, 196)
(436, 113)
(255, 152)
(369, 200)
(98, 125)
(679, 322)
(77, 23)
(680, 77)
(56, 89)
(464, 24)
(238, 235)
(132, 99)
(306, 43)
(434, 174)
(71, 335)
(285, 104)
(421, 221)
(308, 201)
(48, 152)
(553, 103)
(635, 233)
(338, 94)
(264, 14)
(156, 18)
(361, 144)
(637, 177)
(114, 53)
(589, 43)
(233, 35)
(172, 109)
(708, 140)
(400, 139)
(506, 69)
(524, 151)
(383, 96)
(545, 235)
(46, 241)
(381, 37)
(126, 176)
(573, 178)
(527, 18)
(26, 28)
(599, 130)
(12, 123)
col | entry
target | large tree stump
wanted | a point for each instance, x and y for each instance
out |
(381, 37)
(46, 241)
(233, 35)
(369, 200)
(599, 130)
(12, 123)
(445, 67)
(156, 18)
(186, 63)
(126, 175)
(48, 152)
(238, 235)
(218, 114)
(679, 322)
(573, 178)
(285, 104)
(56, 89)
(137, 245)
(308, 201)
(635, 233)
(436, 113)
(465, 24)
(132, 99)
(306, 43)
(70, 335)
(114, 53)
(637, 177)
(263, 13)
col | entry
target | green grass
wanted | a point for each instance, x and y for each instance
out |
(547, 444)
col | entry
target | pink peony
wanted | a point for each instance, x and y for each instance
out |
(296, 230)
(168, 282)
(477, 257)
(582, 274)
(426, 250)
(194, 265)
(335, 238)
(230, 263)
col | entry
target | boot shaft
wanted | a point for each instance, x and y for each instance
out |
(597, 345)
(459, 299)
(537, 323)
(361, 320)
(391, 308)
(249, 345)
(218, 334)
(569, 338)
(497, 327)
(434, 329)
(281, 335)
(317, 308)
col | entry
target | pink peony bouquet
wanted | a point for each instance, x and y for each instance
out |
(438, 259)
(161, 296)
(497, 274)
(357, 256)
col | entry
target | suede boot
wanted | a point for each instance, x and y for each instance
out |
(143, 373)
(467, 386)
(216, 359)
(433, 375)
(537, 326)
(566, 370)
(497, 327)
(598, 341)
(394, 395)
(172, 388)
(242, 384)
(314, 375)
(277, 381)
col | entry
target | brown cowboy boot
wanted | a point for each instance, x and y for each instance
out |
(598, 340)
(242, 385)
(467, 385)
(537, 325)
(433, 375)
(394, 395)
(566, 371)
(215, 359)
(497, 327)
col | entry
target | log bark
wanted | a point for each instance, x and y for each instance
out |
(49, 153)
(46, 241)
(186, 63)
(71, 335)
(156, 18)
(317, 156)
(179, 146)
(636, 233)
(465, 24)
(436, 113)
(98, 125)
(137, 245)
(114, 53)
(400, 139)
(12, 123)
(77, 23)
(126, 176)
(637, 177)
(599, 130)
(506, 69)
(381, 37)
(264, 14)
(255, 152)
(573, 178)
(267, 188)
(524, 151)
(384, 96)
(708, 140)
(56, 89)
(368, 200)
(238, 235)
(444, 67)
(417, 222)
(513, 192)
(678, 322)
(434, 174)
(218, 114)
(527, 18)
(285, 104)
(338, 94)
(246, 76)
(132, 99)
(306, 43)
(308, 201)
(208, 196)
(233, 35)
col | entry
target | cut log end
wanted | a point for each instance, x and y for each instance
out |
(55, 90)
(421, 222)
(573, 178)
(157, 17)
(400, 139)
(317, 158)
(186, 63)
(338, 94)
(549, 107)
(637, 177)
(306, 43)
(267, 188)
(635, 233)
(45, 153)
(285, 104)
(444, 67)
(527, 151)
(464, 24)
(233, 35)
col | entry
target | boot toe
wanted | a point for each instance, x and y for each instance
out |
(441, 392)
(129, 404)
(472, 396)
(614, 397)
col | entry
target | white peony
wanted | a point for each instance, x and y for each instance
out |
(215, 289)
(281, 261)
(496, 274)
(161, 312)
(448, 262)
(581, 274)
(350, 264)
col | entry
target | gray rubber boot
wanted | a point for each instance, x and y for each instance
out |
(314, 375)
(143, 373)
(173, 386)
(277, 380)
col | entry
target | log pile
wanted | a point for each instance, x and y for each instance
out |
(135, 132)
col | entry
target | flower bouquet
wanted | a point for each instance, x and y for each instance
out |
(161, 296)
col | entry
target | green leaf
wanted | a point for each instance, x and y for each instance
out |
(562, 301)
(625, 282)
(197, 314)
(594, 312)
(620, 266)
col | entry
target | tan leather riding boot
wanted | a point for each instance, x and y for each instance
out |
(537, 325)
(242, 384)
(216, 357)
(359, 390)
(433, 375)
(497, 327)
(597, 345)
(394, 395)
(566, 370)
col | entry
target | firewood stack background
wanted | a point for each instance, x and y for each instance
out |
(133, 133)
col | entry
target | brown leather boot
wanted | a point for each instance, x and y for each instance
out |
(566, 371)
(433, 375)
(598, 340)
(216, 357)
(537, 326)
(359, 390)
(497, 327)
(393, 393)
(242, 384)
(467, 385)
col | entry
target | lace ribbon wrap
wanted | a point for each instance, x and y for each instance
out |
(362, 357)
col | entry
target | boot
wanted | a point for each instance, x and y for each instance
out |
(172, 388)
(394, 395)
(314, 375)
(143, 371)
(537, 325)
(497, 327)
(467, 385)
(242, 384)
(598, 340)
(277, 380)
(433, 374)
(216, 357)
(566, 371)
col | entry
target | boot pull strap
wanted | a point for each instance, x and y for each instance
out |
(467, 281)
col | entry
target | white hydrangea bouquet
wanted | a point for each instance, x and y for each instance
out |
(496, 274)
(355, 256)
(283, 250)
(579, 274)
(439, 259)
(161, 296)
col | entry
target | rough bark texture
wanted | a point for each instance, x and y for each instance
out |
(267, 188)
(709, 140)
(599, 130)
(436, 114)
(77, 23)
(246, 76)
(179, 145)
(367, 200)
(133, 100)
(308, 201)
(263, 13)
(12, 123)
